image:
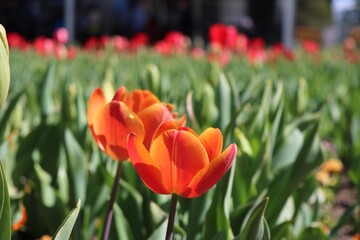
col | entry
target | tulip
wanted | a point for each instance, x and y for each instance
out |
(15, 40)
(139, 111)
(61, 35)
(179, 161)
(4, 66)
(138, 41)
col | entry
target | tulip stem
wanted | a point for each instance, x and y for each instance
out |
(109, 213)
(170, 226)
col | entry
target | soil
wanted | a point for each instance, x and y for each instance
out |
(345, 197)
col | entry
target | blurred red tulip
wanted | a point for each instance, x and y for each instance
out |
(242, 42)
(120, 43)
(162, 47)
(222, 36)
(92, 43)
(197, 53)
(310, 47)
(61, 35)
(15, 40)
(71, 52)
(44, 46)
(139, 40)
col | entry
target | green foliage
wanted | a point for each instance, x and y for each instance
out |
(278, 115)
(5, 227)
(66, 227)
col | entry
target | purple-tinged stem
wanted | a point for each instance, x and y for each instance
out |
(170, 226)
(110, 210)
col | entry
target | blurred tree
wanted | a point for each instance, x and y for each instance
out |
(314, 13)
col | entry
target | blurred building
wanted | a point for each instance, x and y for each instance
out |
(273, 20)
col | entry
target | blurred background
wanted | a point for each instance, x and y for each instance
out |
(325, 21)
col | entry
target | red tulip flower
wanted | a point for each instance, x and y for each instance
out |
(179, 161)
(120, 43)
(15, 40)
(311, 47)
(61, 35)
(139, 112)
(138, 41)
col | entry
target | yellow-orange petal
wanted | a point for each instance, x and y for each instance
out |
(96, 101)
(140, 99)
(181, 121)
(120, 94)
(180, 156)
(212, 140)
(211, 174)
(152, 117)
(165, 126)
(148, 169)
(112, 123)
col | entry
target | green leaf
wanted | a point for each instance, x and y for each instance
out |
(197, 211)
(122, 227)
(9, 110)
(283, 231)
(216, 220)
(288, 150)
(160, 231)
(66, 227)
(312, 232)
(46, 190)
(77, 164)
(224, 104)
(5, 223)
(308, 158)
(238, 215)
(255, 225)
(263, 111)
(46, 97)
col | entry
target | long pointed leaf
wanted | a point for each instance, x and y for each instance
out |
(66, 227)
(5, 227)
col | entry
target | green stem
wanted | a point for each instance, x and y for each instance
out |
(109, 213)
(170, 226)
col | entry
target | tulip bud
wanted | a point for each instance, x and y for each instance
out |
(4, 66)
(153, 78)
(209, 111)
(302, 96)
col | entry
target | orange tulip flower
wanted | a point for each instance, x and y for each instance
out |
(179, 161)
(139, 111)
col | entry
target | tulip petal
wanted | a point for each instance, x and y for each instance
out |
(172, 124)
(165, 126)
(211, 174)
(96, 101)
(152, 117)
(146, 167)
(180, 156)
(212, 140)
(112, 123)
(120, 94)
(140, 99)
(181, 121)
